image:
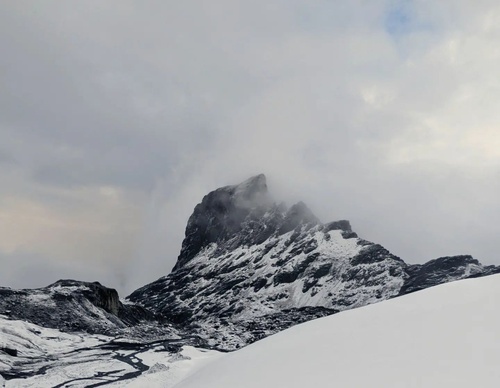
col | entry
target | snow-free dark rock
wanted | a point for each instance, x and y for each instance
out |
(442, 270)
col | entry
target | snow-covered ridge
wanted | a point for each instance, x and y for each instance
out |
(446, 336)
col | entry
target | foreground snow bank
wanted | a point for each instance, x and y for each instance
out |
(445, 336)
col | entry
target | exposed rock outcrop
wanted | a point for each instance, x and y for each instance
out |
(442, 270)
(72, 305)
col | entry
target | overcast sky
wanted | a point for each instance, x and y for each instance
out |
(116, 117)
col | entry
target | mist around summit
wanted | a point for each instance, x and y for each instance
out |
(118, 117)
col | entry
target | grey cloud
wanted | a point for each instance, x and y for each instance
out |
(149, 105)
(32, 270)
(6, 157)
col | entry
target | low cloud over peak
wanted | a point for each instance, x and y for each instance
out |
(116, 118)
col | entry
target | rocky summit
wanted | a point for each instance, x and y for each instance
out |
(250, 267)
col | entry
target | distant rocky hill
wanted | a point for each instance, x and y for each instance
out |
(250, 267)
(75, 306)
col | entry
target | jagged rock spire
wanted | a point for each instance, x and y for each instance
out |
(243, 213)
(221, 214)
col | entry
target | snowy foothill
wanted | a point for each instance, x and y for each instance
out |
(444, 336)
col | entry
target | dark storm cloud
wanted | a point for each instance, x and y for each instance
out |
(117, 117)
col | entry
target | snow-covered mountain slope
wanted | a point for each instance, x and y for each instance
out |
(33, 356)
(249, 267)
(445, 336)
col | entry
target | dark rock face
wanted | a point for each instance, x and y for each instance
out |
(220, 215)
(9, 351)
(97, 294)
(443, 270)
(246, 259)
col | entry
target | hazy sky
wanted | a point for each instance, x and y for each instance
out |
(116, 117)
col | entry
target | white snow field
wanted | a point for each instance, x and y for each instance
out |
(445, 336)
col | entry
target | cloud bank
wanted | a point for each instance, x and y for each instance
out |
(117, 117)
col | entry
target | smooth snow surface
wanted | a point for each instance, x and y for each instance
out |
(445, 336)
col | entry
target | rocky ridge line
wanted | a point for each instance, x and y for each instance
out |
(249, 267)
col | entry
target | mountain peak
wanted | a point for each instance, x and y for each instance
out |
(298, 214)
(257, 182)
(251, 193)
(222, 213)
